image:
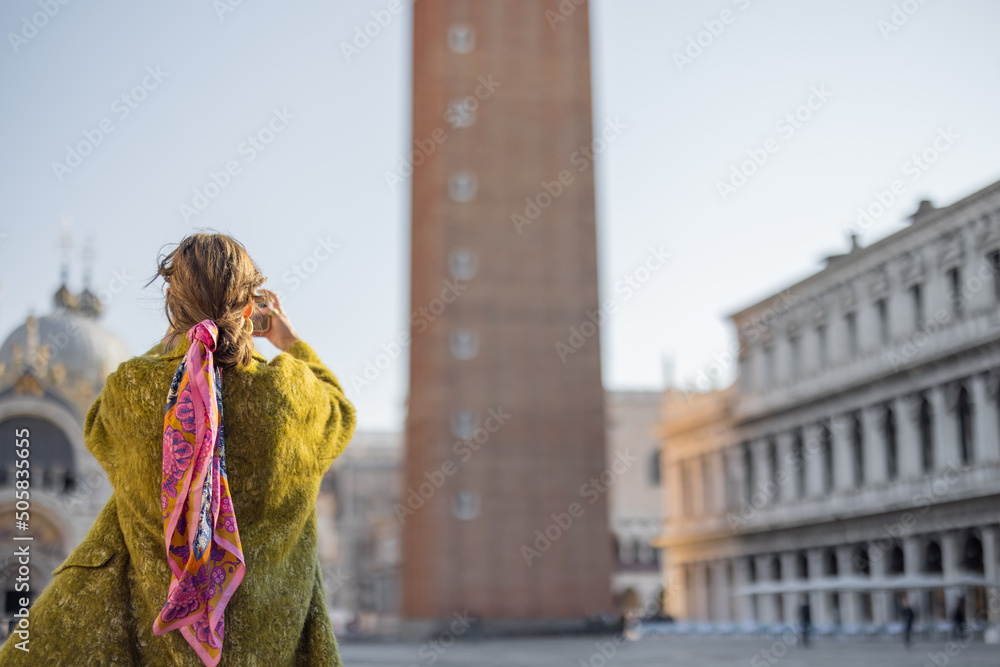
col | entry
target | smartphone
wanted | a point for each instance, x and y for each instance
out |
(261, 321)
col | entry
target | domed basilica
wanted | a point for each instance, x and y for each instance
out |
(51, 370)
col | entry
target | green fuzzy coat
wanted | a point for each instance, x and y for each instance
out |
(285, 422)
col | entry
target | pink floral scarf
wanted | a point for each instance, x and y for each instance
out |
(201, 536)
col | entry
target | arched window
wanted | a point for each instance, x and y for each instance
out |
(53, 462)
(925, 424)
(972, 554)
(830, 568)
(798, 455)
(858, 449)
(861, 562)
(748, 473)
(891, 447)
(932, 558)
(897, 561)
(802, 565)
(654, 468)
(826, 446)
(965, 426)
(772, 459)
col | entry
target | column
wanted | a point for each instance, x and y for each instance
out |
(786, 468)
(813, 454)
(764, 488)
(949, 566)
(991, 572)
(744, 613)
(850, 600)
(719, 607)
(817, 599)
(696, 592)
(843, 465)
(695, 483)
(791, 600)
(908, 436)
(986, 430)
(945, 434)
(881, 607)
(913, 560)
(675, 505)
(716, 500)
(735, 478)
(873, 420)
(765, 602)
(677, 593)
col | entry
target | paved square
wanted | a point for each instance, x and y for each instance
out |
(668, 651)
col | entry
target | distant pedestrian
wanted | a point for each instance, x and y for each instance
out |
(958, 619)
(908, 617)
(805, 620)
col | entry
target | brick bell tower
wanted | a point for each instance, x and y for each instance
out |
(505, 430)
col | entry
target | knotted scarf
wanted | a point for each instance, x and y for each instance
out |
(201, 536)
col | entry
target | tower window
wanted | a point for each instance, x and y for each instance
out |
(462, 113)
(462, 187)
(462, 264)
(464, 424)
(464, 344)
(461, 38)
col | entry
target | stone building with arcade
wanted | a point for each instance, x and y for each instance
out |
(855, 463)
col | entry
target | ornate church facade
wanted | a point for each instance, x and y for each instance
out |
(855, 464)
(51, 370)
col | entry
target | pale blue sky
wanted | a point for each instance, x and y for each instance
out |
(322, 177)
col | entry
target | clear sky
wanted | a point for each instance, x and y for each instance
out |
(200, 77)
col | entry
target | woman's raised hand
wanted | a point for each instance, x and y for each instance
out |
(281, 334)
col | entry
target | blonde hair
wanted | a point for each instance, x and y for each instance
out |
(211, 276)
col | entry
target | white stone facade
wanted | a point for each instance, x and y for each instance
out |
(863, 462)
